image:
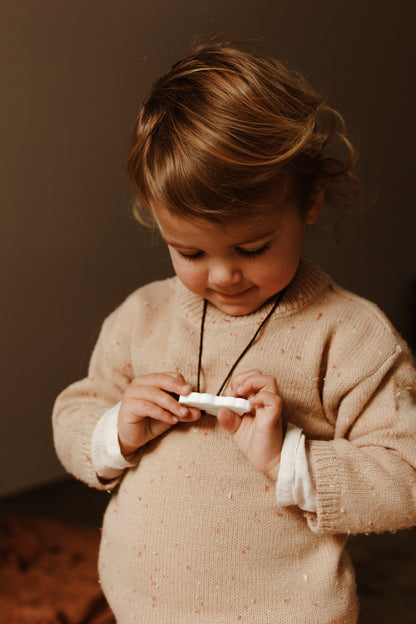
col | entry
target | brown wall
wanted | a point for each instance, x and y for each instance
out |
(72, 75)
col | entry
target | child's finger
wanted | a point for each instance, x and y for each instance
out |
(241, 377)
(138, 408)
(165, 381)
(153, 429)
(181, 380)
(267, 400)
(133, 436)
(229, 420)
(193, 414)
(255, 383)
(268, 408)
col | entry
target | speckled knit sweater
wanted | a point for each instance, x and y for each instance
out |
(193, 532)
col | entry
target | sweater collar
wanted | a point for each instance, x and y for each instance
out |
(308, 282)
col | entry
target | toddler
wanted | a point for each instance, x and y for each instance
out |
(241, 518)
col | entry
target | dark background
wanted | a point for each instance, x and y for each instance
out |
(73, 73)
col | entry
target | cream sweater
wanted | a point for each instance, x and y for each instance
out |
(192, 533)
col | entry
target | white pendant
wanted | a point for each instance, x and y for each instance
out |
(211, 403)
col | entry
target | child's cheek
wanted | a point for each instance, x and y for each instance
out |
(192, 277)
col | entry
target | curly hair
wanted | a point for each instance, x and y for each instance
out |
(226, 129)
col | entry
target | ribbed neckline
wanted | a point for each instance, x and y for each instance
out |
(308, 282)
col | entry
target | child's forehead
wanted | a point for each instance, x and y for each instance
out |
(177, 229)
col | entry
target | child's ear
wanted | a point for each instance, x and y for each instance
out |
(316, 201)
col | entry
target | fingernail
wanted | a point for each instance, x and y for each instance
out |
(175, 420)
(184, 411)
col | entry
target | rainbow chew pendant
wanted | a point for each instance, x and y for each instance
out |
(211, 403)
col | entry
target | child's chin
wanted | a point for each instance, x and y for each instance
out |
(236, 308)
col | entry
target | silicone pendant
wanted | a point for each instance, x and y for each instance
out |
(211, 403)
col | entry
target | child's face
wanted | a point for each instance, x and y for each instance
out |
(236, 268)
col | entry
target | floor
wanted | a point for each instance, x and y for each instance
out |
(385, 564)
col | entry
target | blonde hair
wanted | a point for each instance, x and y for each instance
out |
(225, 130)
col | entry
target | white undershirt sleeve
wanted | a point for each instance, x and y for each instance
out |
(295, 484)
(106, 455)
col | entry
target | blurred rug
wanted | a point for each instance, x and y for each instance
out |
(48, 573)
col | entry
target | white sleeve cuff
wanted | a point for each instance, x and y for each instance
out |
(106, 455)
(295, 483)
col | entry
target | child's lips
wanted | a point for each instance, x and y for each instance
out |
(236, 295)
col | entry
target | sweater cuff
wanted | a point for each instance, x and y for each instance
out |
(106, 455)
(295, 481)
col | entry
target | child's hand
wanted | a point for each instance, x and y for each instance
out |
(258, 436)
(148, 409)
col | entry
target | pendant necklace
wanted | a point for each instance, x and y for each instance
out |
(244, 351)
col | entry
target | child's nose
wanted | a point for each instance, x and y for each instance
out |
(223, 275)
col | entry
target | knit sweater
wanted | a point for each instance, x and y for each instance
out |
(192, 533)
(294, 485)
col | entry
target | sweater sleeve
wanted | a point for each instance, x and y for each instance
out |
(78, 408)
(365, 477)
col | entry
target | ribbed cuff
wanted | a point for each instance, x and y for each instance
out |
(327, 469)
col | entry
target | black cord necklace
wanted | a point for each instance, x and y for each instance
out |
(244, 351)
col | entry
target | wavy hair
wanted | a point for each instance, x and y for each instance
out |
(226, 130)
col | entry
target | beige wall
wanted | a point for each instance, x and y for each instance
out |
(72, 75)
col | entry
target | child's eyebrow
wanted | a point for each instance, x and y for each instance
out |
(256, 239)
(173, 243)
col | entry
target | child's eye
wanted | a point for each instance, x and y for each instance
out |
(252, 253)
(191, 256)
(246, 253)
